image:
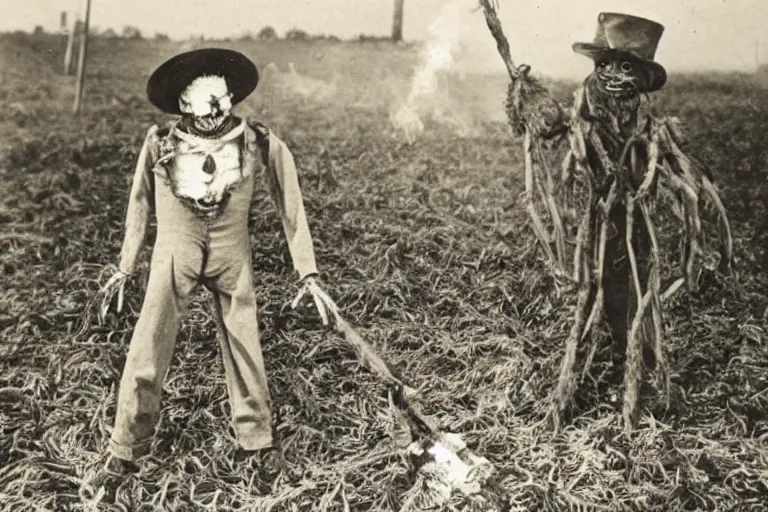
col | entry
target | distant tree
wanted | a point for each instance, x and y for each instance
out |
(397, 22)
(162, 37)
(325, 37)
(39, 31)
(267, 34)
(130, 32)
(296, 34)
(109, 34)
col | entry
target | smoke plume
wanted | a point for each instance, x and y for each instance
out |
(428, 97)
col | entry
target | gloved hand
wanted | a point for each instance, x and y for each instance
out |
(324, 304)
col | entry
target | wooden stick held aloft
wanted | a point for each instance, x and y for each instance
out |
(494, 25)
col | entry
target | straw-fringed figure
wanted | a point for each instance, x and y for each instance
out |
(623, 173)
(196, 176)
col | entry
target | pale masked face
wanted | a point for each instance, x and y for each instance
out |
(208, 100)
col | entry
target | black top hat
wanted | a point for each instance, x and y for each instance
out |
(169, 80)
(628, 37)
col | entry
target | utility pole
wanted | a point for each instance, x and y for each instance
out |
(757, 55)
(397, 22)
(70, 47)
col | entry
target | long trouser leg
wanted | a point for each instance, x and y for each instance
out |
(620, 296)
(149, 356)
(243, 360)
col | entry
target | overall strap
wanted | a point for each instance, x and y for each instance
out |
(261, 138)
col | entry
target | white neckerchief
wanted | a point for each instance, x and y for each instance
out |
(203, 145)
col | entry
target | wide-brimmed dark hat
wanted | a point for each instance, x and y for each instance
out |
(623, 36)
(169, 80)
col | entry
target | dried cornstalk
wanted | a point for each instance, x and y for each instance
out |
(666, 174)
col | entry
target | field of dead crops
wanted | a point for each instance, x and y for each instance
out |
(428, 251)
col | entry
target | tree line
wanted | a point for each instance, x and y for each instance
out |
(265, 34)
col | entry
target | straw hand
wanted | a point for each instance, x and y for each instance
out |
(324, 304)
(115, 286)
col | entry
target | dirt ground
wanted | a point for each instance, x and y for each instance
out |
(427, 249)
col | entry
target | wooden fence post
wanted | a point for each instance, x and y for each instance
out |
(70, 48)
(81, 61)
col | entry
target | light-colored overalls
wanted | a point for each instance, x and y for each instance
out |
(200, 192)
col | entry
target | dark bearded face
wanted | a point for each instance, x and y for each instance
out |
(621, 78)
(612, 92)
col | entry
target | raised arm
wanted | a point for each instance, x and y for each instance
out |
(140, 203)
(531, 107)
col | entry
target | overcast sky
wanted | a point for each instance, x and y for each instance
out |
(700, 34)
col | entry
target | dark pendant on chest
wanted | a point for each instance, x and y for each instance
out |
(209, 166)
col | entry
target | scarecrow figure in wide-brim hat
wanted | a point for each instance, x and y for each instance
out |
(619, 163)
(197, 177)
